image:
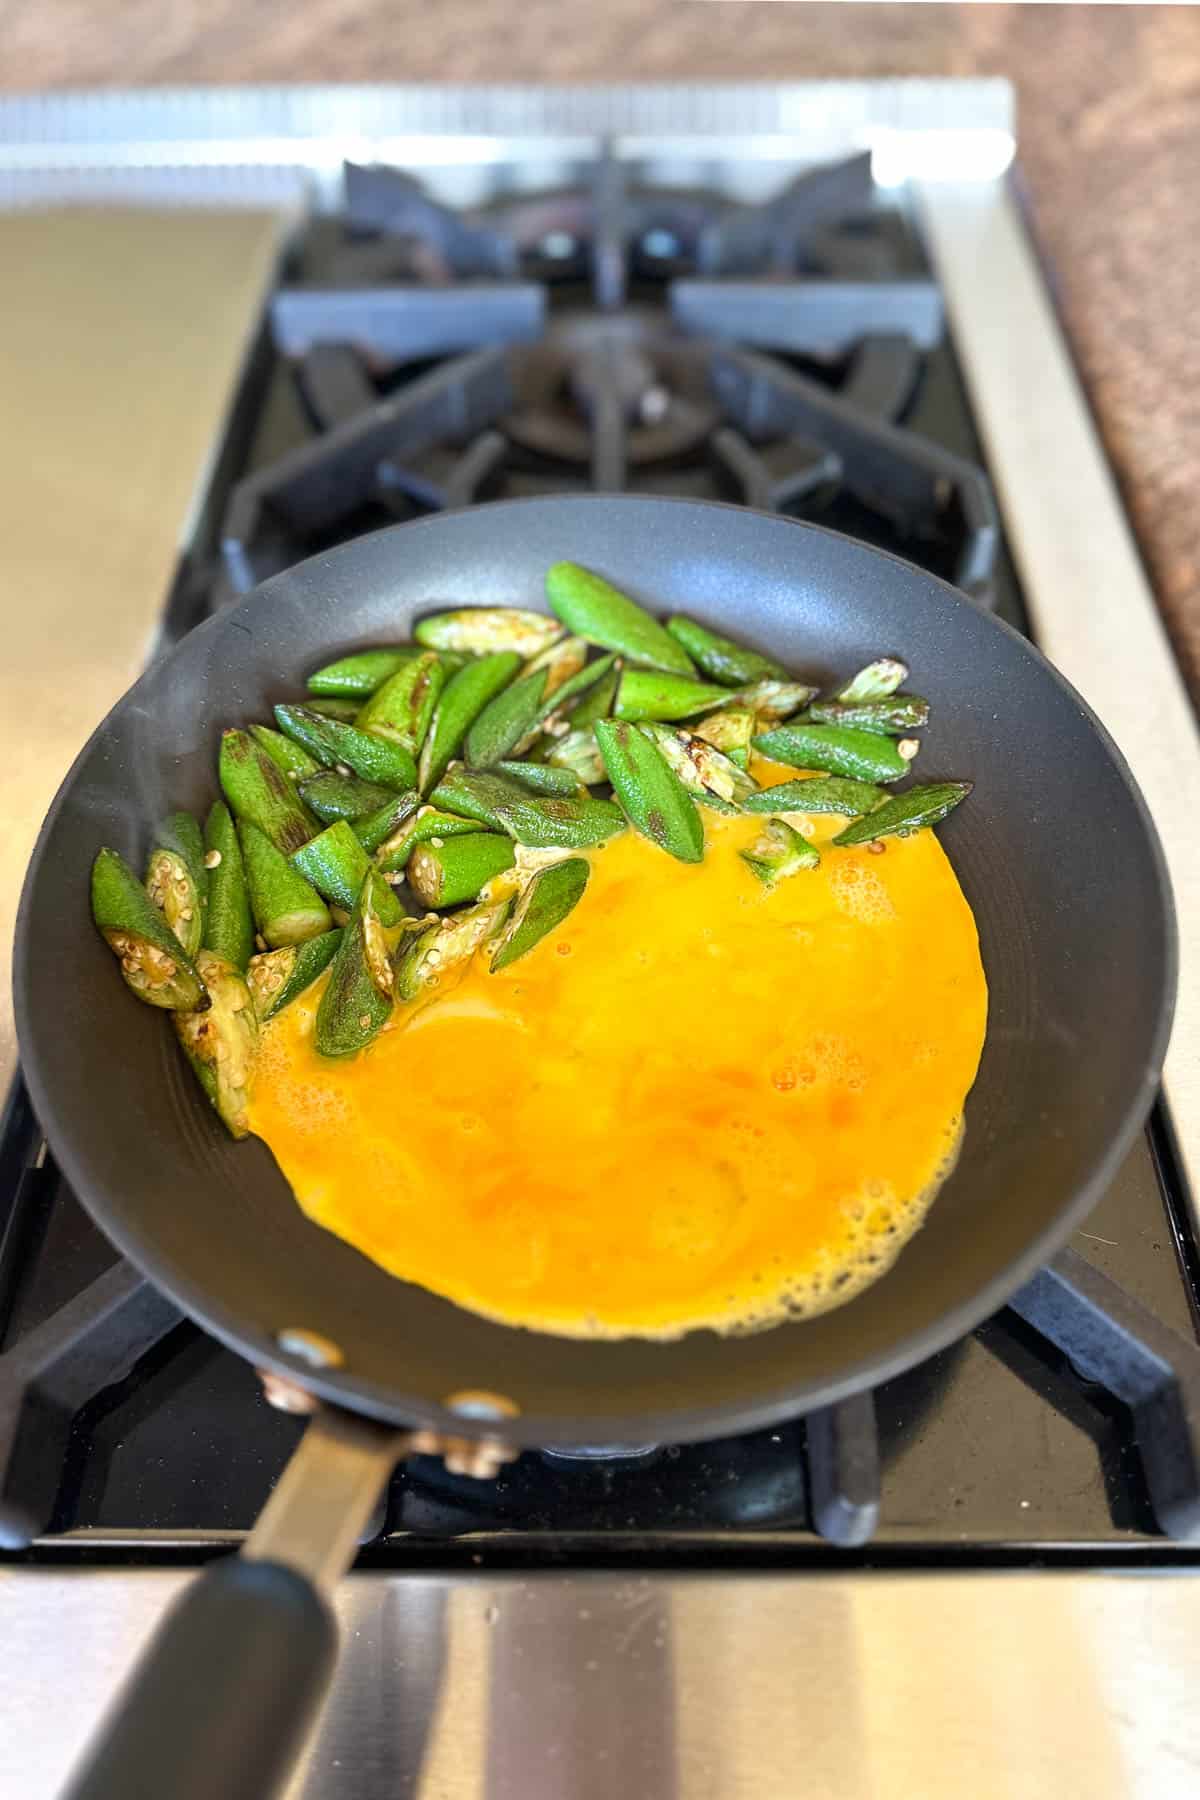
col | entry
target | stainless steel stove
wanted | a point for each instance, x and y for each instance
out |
(818, 300)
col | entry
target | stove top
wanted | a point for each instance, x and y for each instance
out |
(789, 351)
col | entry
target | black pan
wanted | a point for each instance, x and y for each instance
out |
(1055, 851)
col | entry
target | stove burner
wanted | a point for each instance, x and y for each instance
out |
(624, 372)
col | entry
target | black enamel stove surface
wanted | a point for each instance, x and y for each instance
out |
(791, 356)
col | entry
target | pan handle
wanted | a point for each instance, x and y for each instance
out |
(219, 1705)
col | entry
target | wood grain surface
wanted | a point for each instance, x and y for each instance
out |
(1109, 133)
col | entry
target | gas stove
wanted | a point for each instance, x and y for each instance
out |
(715, 294)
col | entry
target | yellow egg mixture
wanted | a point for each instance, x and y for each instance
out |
(698, 1102)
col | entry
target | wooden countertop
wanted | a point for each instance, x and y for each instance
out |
(1109, 136)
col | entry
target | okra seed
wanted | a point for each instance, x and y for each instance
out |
(437, 842)
(364, 1020)
(907, 748)
(876, 847)
(343, 768)
(260, 940)
(186, 914)
(212, 858)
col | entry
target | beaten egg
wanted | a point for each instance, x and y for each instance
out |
(698, 1102)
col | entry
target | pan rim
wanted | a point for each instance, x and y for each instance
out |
(679, 1425)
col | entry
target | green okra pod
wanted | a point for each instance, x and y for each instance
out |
(480, 630)
(290, 758)
(892, 718)
(286, 908)
(568, 822)
(357, 1001)
(542, 778)
(839, 750)
(374, 828)
(721, 658)
(357, 676)
(277, 977)
(446, 871)
(913, 810)
(557, 704)
(463, 698)
(431, 950)
(771, 701)
(654, 799)
(877, 681)
(648, 694)
(578, 755)
(779, 852)
(332, 796)
(594, 609)
(336, 864)
(599, 698)
(154, 963)
(344, 712)
(261, 794)
(177, 880)
(229, 923)
(699, 765)
(821, 794)
(364, 753)
(731, 730)
(419, 827)
(505, 721)
(220, 1042)
(401, 710)
(544, 902)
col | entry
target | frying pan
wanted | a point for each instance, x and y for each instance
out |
(1058, 858)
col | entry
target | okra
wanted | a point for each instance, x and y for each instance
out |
(177, 880)
(374, 828)
(569, 822)
(431, 950)
(542, 778)
(229, 924)
(154, 964)
(579, 755)
(290, 758)
(600, 698)
(771, 701)
(654, 799)
(332, 796)
(221, 1041)
(839, 750)
(877, 681)
(562, 661)
(261, 794)
(402, 708)
(504, 721)
(729, 729)
(343, 711)
(358, 675)
(363, 752)
(646, 694)
(481, 630)
(276, 977)
(910, 811)
(891, 718)
(463, 698)
(556, 704)
(358, 997)
(701, 768)
(780, 851)
(336, 864)
(597, 611)
(823, 794)
(418, 828)
(720, 658)
(544, 902)
(286, 909)
(446, 871)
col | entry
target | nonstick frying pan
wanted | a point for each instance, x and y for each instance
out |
(1055, 851)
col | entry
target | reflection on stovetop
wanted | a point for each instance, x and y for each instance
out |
(793, 356)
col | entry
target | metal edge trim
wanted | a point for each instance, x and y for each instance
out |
(1091, 606)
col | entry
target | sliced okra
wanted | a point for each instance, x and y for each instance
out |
(177, 880)
(221, 1041)
(286, 908)
(891, 718)
(913, 810)
(463, 698)
(336, 864)
(480, 630)
(357, 1000)
(420, 826)
(401, 710)
(594, 609)
(289, 757)
(721, 658)
(356, 677)
(261, 794)
(838, 750)
(543, 903)
(332, 796)
(154, 964)
(446, 871)
(649, 694)
(229, 923)
(877, 681)
(653, 797)
(821, 794)
(277, 977)
(780, 851)
(364, 753)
